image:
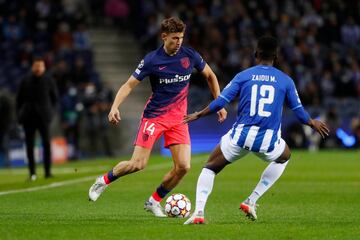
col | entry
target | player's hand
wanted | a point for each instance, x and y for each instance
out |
(191, 117)
(114, 116)
(222, 114)
(320, 127)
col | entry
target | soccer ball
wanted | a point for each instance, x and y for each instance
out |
(178, 205)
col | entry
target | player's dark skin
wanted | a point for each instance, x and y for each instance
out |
(217, 161)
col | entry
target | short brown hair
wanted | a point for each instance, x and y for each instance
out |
(172, 25)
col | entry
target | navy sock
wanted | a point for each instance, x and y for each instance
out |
(161, 191)
(109, 177)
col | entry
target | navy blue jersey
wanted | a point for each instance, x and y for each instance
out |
(169, 77)
(262, 91)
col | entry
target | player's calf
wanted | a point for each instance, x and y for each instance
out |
(128, 167)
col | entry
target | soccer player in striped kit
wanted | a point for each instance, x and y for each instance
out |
(169, 69)
(262, 90)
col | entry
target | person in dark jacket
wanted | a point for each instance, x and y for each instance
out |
(36, 102)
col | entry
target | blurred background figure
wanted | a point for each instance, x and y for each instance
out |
(118, 12)
(89, 42)
(104, 102)
(70, 113)
(90, 117)
(36, 105)
(6, 113)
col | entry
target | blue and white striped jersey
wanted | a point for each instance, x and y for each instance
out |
(262, 91)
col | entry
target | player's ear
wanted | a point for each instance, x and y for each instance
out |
(163, 36)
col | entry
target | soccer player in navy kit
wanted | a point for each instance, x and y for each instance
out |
(262, 90)
(169, 69)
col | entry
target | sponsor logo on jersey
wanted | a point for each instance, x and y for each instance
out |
(177, 78)
(185, 62)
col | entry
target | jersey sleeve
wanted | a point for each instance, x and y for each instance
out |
(143, 69)
(294, 103)
(292, 96)
(199, 62)
(232, 89)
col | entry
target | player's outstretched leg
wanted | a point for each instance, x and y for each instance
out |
(181, 155)
(153, 203)
(138, 162)
(270, 175)
(268, 178)
(214, 165)
(100, 185)
(203, 190)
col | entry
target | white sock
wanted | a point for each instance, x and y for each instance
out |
(152, 200)
(102, 179)
(203, 189)
(268, 178)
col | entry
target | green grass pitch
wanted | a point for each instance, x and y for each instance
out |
(318, 197)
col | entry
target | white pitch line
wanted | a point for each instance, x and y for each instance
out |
(61, 170)
(84, 179)
(51, 185)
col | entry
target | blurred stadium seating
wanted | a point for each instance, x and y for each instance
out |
(320, 49)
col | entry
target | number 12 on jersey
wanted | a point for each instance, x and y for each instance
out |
(267, 93)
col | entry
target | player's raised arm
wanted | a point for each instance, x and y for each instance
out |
(226, 96)
(317, 125)
(213, 83)
(211, 78)
(123, 92)
(215, 106)
(303, 116)
(320, 127)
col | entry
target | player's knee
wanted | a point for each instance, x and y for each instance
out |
(216, 166)
(284, 157)
(216, 169)
(182, 169)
